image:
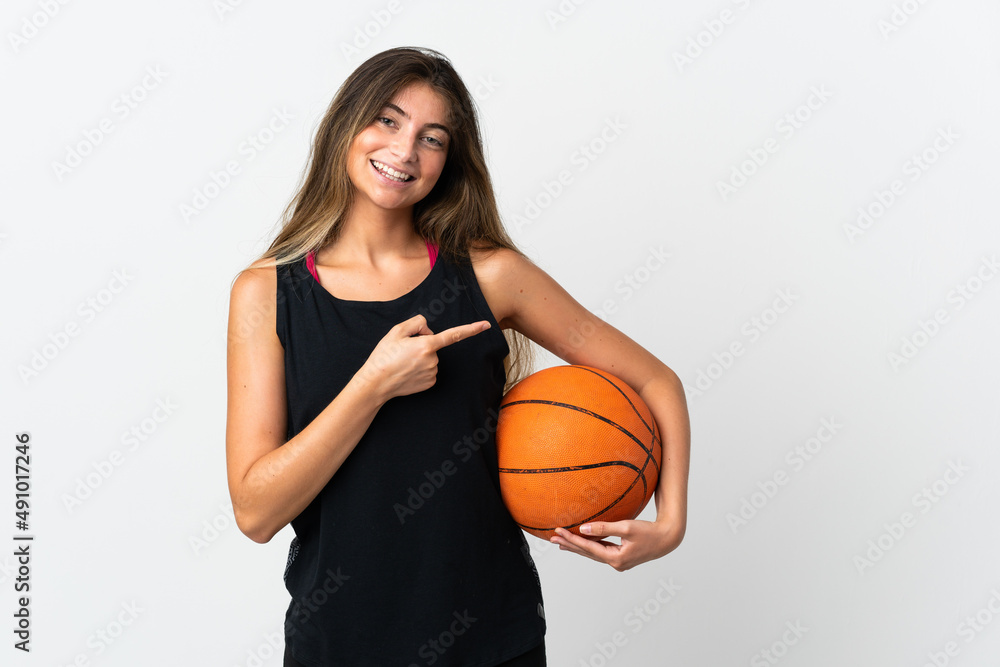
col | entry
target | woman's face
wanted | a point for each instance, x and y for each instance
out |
(395, 162)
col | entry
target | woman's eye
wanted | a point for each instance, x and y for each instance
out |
(434, 141)
(384, 120)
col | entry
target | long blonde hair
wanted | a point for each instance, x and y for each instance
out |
(459, 213)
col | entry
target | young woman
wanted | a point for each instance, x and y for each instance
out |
(368, 352)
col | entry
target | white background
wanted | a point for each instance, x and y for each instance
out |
(548, 84)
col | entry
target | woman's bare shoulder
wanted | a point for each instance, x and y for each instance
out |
(500, 272)
(495, 264)
(255, 283)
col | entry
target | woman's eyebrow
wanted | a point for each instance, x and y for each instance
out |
(402, 113)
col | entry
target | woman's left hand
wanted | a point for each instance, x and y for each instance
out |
(641, 541)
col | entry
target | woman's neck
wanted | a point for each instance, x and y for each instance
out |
(370, 236)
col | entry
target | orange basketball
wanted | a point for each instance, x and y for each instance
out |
(575, 444)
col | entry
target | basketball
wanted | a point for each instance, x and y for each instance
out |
(575, 444)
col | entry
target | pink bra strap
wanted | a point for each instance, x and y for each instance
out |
(311, 264)
(432, 252)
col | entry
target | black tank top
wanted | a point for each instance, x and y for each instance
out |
(408, 555)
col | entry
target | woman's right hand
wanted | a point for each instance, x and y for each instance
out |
(405, 360)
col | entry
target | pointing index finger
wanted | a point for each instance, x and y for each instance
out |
(461, 332)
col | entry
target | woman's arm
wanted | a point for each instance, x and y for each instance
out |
(270, 480)
(526, 299)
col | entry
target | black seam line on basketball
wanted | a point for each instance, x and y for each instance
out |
(641, 475)
(655, 440)
(589, 466)
(599, 513)
(577, 408)
(649, 453)
(634, 409)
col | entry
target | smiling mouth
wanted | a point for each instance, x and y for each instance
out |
(391, 173)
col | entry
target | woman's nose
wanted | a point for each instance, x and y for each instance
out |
(403, 146)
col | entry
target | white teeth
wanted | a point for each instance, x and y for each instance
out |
(391, 173)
